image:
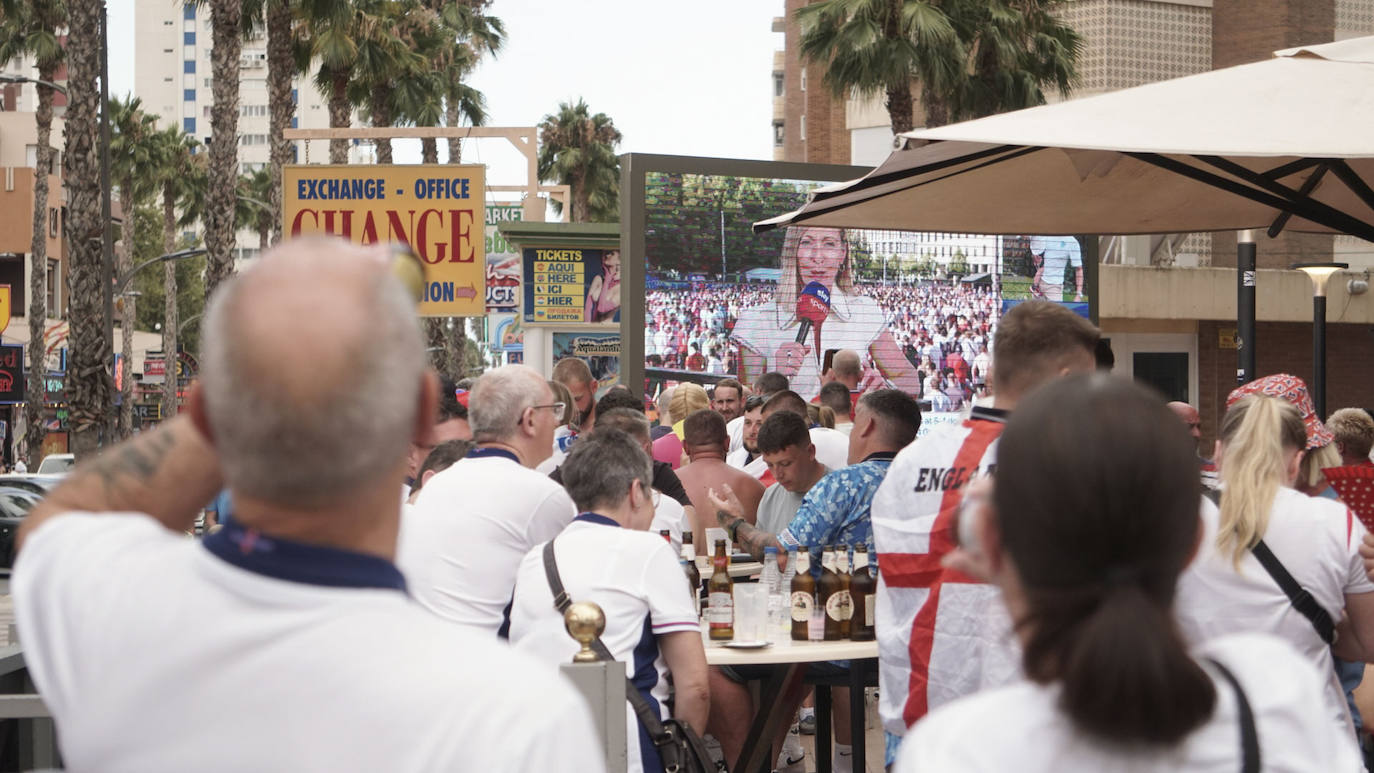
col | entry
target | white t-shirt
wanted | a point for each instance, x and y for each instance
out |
(755, 467)
(1021, 728)
(855, 322)
(156, 654)
(1060, 252)
(635, 578)
(1317, 541)
(832, 447)
(471, 525)
(669, 514)
(735, 429)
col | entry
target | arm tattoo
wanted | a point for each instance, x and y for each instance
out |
(132, 464)
(753, 540)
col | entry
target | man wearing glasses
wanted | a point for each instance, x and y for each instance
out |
(461, 544)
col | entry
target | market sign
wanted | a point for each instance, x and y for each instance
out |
(437, 209)
(503, 260)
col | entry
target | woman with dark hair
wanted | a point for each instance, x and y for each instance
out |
(1090, 522)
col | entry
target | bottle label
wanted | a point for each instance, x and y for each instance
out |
(860, 560)
(689, 552)
(838, 606)
(841, 563)
(802, 603)
(868, 609)
(720, 612)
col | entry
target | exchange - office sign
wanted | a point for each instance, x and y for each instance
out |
(439, 210)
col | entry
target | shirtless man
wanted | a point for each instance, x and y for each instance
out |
(705, 441)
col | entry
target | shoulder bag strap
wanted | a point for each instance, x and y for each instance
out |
(1297, 595)
(647, 716)
(1249, 736)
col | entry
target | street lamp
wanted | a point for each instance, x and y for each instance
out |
(6, 77)
(1319, 273)
(178, 255)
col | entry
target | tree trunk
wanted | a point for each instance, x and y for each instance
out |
(937, 111)
(126, 314)
(38, 280)
(429, 150)
(381, 118)
(436, 341)
(222, 186)
(169, 303)
(88, 377)
(581, 197)
(339, 110)
(900, 109)
(264, 238)
(455, 145)
(280, 71)
(457, 348)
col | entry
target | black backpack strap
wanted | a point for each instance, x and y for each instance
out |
(1249, 735)
(647, 716)
(1298, 595)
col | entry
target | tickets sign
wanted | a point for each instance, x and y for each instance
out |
(565, 286)
(439, 210)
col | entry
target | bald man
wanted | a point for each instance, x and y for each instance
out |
(300, 588)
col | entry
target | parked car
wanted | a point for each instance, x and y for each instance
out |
(37, 484)
(15, 503)
(56, 464)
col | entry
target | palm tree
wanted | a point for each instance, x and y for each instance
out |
(343, 42)
(968, 57)
(132, 152)
(578, 149)
(31, 28)
(183, 178)
(250, 212)
(880, 46)
(226, 22)
(471, 34)
(89, 385)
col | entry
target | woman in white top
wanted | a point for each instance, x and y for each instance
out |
(1227, 590)
(1091, 520)
(768, 333)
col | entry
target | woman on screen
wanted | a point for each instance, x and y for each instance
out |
(773, 336)
(603, 297)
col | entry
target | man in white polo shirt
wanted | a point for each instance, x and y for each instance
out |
(606, 556)
(473, 522)
(285, 641)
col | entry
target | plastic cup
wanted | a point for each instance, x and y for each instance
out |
(751, 612)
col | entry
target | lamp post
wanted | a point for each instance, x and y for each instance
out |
(178, 255)
(120, 288)
(1319, 273)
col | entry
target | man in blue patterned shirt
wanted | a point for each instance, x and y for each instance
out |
(834, 512)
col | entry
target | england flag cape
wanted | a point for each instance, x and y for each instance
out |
(941, 634)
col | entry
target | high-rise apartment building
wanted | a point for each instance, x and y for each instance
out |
(174, 78)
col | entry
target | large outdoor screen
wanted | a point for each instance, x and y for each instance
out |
(919, 308)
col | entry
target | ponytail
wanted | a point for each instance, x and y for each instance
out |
(1255, 434)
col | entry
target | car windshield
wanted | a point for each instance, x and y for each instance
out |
(15, 503)
(55, 464)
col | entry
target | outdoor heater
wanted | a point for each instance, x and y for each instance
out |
(1319, 273)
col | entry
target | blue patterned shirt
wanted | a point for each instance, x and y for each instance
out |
(835, 510)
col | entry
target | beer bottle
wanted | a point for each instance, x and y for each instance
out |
(846, 600)
(828, 595)
(689, 550)
(803, 595)
(861, 589)
(720, 614)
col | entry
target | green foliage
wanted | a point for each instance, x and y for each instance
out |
(684, 216)
(958, 265)
(190, 279)
(577, 149)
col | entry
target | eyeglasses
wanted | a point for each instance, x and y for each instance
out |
(558, 409)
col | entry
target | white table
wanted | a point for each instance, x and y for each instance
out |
(737, 570)
(788, 658)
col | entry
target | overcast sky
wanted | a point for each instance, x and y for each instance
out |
(676, 78)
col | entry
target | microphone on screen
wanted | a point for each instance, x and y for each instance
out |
(813, 306)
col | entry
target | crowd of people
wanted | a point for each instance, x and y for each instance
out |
(388, 592)
(943, 330)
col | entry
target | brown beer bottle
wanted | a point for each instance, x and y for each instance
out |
(689, 568)
(720, 614)
(689, 550)
(862, 588)
(828, 592)
(846, 602)
(803, 595)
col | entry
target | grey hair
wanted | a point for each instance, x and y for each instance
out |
(499, 399)
(602, 468)
(306, 449)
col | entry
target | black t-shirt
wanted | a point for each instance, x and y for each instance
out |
(665, 480)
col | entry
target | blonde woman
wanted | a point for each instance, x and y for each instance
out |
(1227, 590)
(767, 334)
(687, 398)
